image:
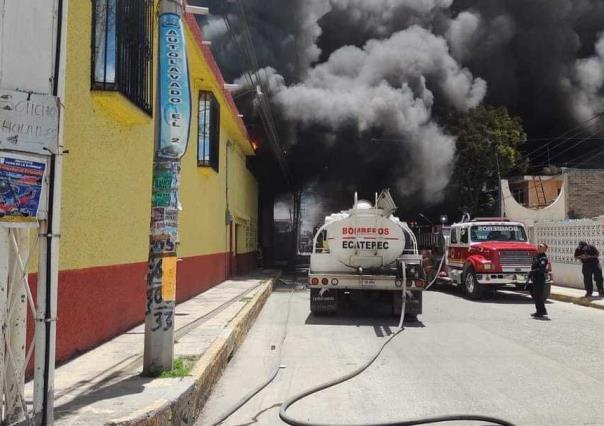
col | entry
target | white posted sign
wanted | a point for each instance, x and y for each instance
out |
(29, 122)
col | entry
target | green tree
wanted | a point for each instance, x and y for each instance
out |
(488, 140)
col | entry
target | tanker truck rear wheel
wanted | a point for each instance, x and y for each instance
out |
(323, 303)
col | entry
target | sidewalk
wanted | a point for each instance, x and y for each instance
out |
(104, 385)
(575, 295)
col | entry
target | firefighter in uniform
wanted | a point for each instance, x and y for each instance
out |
(589, 256)
(539, 270)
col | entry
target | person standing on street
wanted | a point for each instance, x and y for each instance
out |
(589, 256)
(539, 270)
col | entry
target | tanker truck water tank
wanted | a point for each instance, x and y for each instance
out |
(365, 239)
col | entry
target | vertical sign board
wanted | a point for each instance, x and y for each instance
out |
(174, 91)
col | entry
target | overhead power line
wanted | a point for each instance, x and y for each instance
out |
(580, 129)
(589, 156)
(576, 144)
(246, 48)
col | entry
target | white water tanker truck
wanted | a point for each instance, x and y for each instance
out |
(367, 251)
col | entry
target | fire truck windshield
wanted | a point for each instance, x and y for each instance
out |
(482, 233)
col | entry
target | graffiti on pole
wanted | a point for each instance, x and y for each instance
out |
(22, 183)
(160, 302)
(173, 91)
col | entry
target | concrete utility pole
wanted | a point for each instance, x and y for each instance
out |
(172, 119)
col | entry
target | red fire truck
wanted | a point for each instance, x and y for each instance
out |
(488, 253)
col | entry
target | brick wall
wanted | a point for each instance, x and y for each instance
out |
(585, 193)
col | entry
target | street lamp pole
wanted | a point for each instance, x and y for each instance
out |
(172, 122)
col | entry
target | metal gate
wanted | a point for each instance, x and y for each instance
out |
(16, 301)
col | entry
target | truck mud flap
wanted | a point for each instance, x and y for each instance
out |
(323, 303)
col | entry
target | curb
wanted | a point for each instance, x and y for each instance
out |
(207, 370)
(583, 301)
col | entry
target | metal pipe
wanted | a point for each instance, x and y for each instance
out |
(49, 248)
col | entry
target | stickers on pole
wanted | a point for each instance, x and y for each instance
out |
(22, 189)
(29, 122)
(168, 284)
(165, 184)
(164, 211)
(174, 90)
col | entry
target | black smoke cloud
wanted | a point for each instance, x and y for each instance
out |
(347, 74)
(530, 60)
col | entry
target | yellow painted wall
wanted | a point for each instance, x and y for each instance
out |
(107, 173)
(203, 191)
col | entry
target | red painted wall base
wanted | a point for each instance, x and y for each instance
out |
(97, 304)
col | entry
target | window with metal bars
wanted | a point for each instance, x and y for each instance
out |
(122, 49)
(208, 139)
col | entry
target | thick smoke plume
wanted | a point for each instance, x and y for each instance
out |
(384, 86)
(344, 73)
(586, 84)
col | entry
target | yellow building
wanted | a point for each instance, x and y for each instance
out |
(106, 203)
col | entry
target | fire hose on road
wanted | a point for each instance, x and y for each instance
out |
(285, 406)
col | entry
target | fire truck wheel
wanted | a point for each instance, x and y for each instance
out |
(471, 286)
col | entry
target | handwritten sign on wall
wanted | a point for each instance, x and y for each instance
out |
(29, 122)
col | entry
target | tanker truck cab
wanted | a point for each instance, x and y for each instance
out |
(365, 250)
(488, 253)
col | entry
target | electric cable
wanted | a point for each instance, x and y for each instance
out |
(579, 127)
(590, 157)
(576, 144)
(246, 49)
(574, 132)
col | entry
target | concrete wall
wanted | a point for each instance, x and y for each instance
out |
(585, 192)
(551, 189)
(516, 211)
(107, 198)
(562, 238)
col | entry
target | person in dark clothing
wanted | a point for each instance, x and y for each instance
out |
(589, 256)
(539, 270)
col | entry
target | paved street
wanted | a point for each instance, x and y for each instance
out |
(467, 357)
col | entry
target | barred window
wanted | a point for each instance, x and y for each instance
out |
(122, 49)
(208, 143)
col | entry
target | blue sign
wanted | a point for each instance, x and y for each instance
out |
(173, 88)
